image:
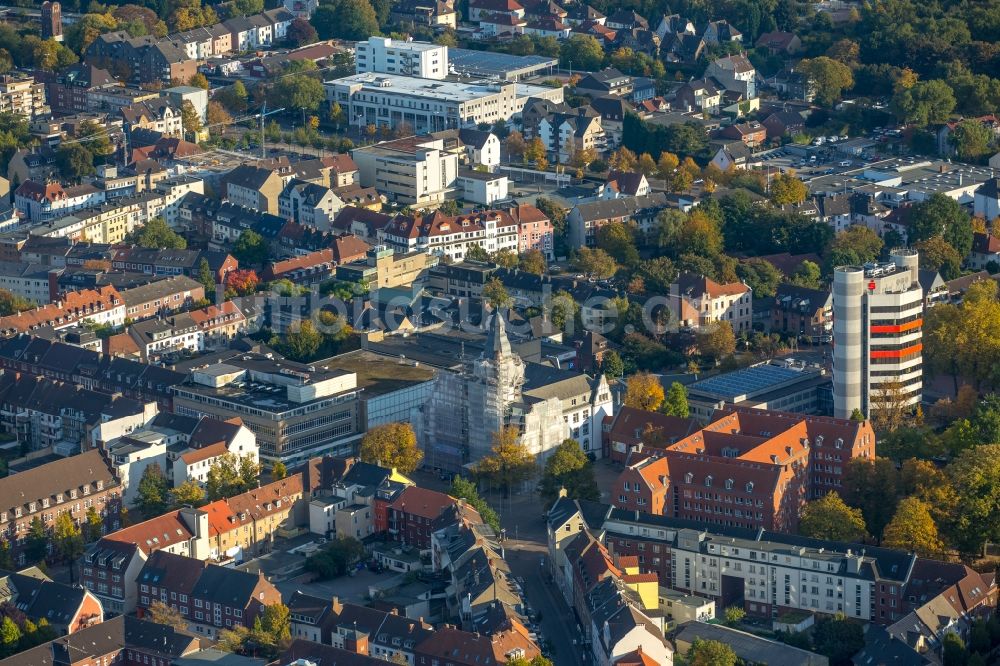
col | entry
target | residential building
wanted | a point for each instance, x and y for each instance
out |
(604, 83)
(66, 608)
(780, 43)
(237, 528)
(21, 95)
(422, 60)
(585, 219)
(220, 325)
(309, 204)
(481, 148)
(255, 187)
(73, 484)
(29, 281)
(46, 201)
(125, 640)
(306, 269)
(735, 73)
(383, 267)
(209, 597)
(752, 134)
(295, 412)
(98, 306)
(142, 59)
(391, 100)
(566, 134)
(160, 339)
(803, 312)
(159, 115)
(173, 262)
(985, 250)
(732, 155)
(720, 32)
(986, 200)
(161, 297)
(424, 12)
(534, 230)
(483, 188)
(482, 9)
(701, 95)
(877, 325)
(413, 170)
(68, 91)
(446, 236)
(697, 302)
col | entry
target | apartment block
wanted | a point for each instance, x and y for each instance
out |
(414, 170)
(422, 60)
(22, 96)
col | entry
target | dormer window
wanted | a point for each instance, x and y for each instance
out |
(708, 481)
(689, 478)
(729, 484)
(750, 486)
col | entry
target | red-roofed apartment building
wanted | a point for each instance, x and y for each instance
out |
(749, 468)
(697, 301)
(534, 230)
(410, 516)
(103, 305)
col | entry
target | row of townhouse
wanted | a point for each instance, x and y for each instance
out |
(237, 528)
(452, 237)
(210, 598)
(206, 329)
(175, 56)
(84, 212)
(771, 573)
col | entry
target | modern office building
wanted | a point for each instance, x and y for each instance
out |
(430, 105)
(392, 56)
(786, 384)
(877, 330)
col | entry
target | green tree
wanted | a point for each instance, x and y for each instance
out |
(37, 547)
(975, 476)
(279, 471)
(206, 277)
(67, 538)
(336, 558)
(300, 32)
(12, 303)
(854, 246)
(153, 491)
(10, 635)
(971, 139)
(189, 493)
(717, 340)
(913, 529)
(229, 476)
(466, 490)
(302, 342)
(940, 215)
(345, 19)
(75, 162)
(831, 78)
(496, 294)
(596, 262)
(612, 365)
(953, 650)
(710, 653)
(533, 261)
(581, 52)
(564, 309)
(838, 638)
(156, 234)
(830, 518)
(509, 463)
(6, 561)
(568, 467)
(277, 622)
(858, 416)
(392, 445)
(618, 241)
(505, 258)
(300, 91)
(676, 402)
(734, 615)
(807, 274)
(937, 255)
(871, 485)
(190, 118)
(250, 249)
(760, 275)
(160, 613)
(199, 80)
(925, 103)
(476, 252)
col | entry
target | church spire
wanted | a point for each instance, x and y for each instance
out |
(497, 343)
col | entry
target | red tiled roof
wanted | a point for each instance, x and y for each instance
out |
(422, 502)
(204, 453)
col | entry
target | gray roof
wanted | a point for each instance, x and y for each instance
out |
(159, 289)
(750, 648)
(602, 210)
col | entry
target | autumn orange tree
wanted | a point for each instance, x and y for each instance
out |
(644, 391)
(392, 445)
(509, 463)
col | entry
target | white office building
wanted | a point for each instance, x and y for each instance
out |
(430, 105)
(877, 330)
(392, 56)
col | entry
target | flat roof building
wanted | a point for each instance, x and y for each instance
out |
(788, 385)
(430, 105)
(498, 66)
(393, 56)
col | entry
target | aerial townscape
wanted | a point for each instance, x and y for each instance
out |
(499, 333)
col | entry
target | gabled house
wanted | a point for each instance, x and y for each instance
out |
(566, 134)
(732, 155)
(625, 183)
(735, 73)
(548, 26)
(605, 83)
(780, 43)
(66, 608)
(783, 123)
(481, 9)
(682, 47)
(626, 19)
(701, 95)
(752, 134)
(721, 32)
(309, 204)
(985, 251)
(802, 311)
